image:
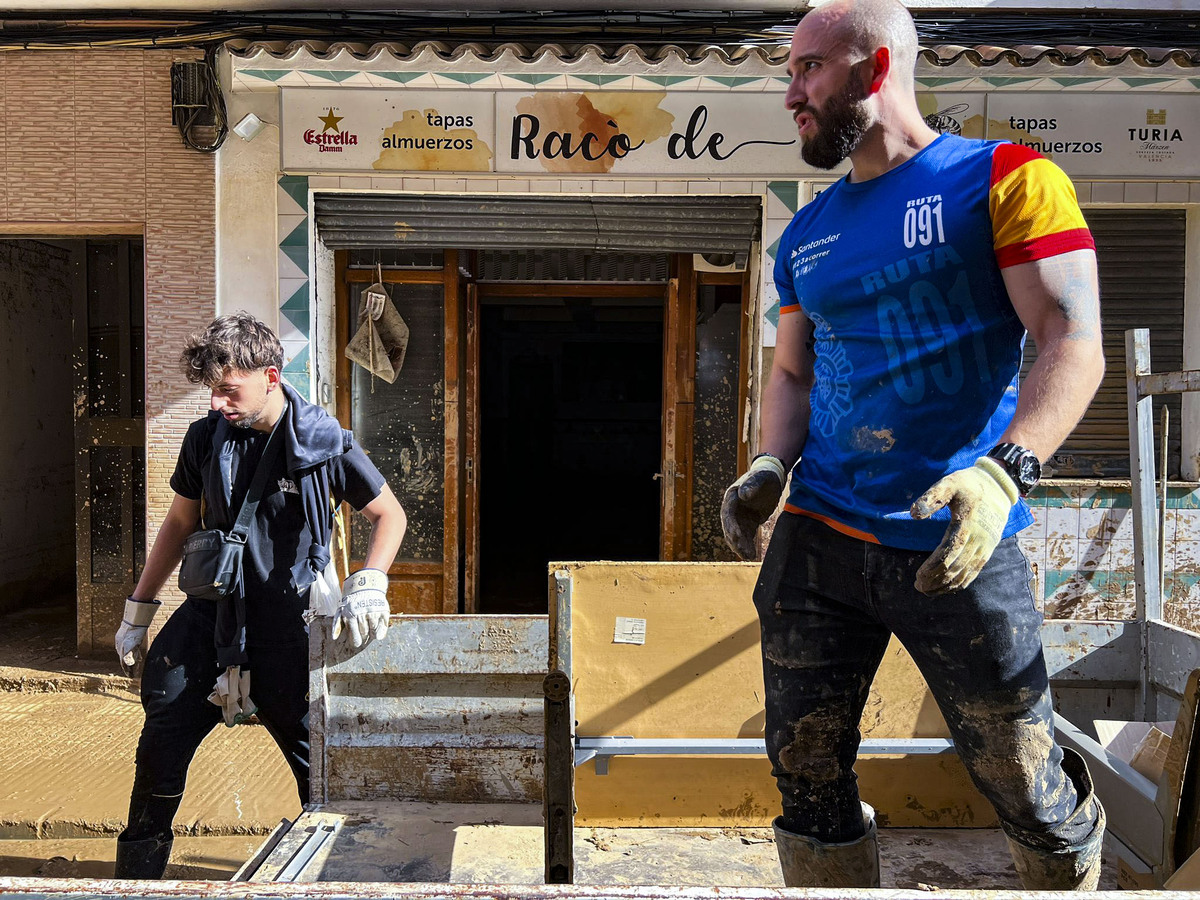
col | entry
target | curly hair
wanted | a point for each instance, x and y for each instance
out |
(239, 342)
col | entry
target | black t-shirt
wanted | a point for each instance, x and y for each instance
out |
(279, 535)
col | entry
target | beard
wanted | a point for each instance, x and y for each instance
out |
(841, 126)
(247, 420)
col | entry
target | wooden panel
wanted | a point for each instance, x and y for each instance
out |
(685, 373)
(453, 500)
(907, 792)
(415, 594)
(699, 675)
(416, 587)
(471, 460)
(744, 368)
(435, 775)
(679, 391)
(669, 473)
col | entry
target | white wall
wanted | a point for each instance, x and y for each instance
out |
(1191, 345)
(247, 172)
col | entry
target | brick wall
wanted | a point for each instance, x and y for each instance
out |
(88, 147)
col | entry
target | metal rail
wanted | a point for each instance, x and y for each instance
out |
(602, 749)
(76, 888)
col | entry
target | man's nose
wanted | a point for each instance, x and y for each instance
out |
(218, 403)
(795, 96)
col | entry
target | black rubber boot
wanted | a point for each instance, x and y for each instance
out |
(1074, 868)
(142, 859)
(807, 862)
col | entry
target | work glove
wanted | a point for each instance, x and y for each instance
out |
(980, 500)
(364, 609)
(232, 694)
(132, 630)
(749, 501)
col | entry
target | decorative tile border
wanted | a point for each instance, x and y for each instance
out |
(263, 77)
(295, 314)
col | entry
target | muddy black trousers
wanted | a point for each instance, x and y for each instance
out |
(181, 669)
(828, 603)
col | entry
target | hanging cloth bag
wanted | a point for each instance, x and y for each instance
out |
(381, 340)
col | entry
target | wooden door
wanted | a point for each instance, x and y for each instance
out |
(679, 387)
(411, 427)
(110, 436)
(471, 456)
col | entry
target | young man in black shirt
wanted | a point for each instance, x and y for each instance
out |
(230, 658)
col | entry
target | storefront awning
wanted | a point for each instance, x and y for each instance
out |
(694, 224)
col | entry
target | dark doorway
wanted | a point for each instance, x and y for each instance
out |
(74, 473)
(37, 527)
(570, 438)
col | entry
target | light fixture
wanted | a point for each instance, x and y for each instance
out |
(248, 127)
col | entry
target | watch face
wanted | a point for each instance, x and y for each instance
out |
(1029, 470)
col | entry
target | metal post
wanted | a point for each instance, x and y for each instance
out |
(1147, 577)
(559, 758)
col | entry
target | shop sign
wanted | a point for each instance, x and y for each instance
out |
(645, 133)
(360, 129)
(1104, 135)
(614, 132)
(691, 133)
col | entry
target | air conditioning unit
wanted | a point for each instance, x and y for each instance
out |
(717, 262)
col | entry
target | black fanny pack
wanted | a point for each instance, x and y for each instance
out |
(212, 559)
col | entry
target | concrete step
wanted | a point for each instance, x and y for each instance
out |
(66, 768)
(192, 858)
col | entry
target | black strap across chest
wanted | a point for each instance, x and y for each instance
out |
(241, 526)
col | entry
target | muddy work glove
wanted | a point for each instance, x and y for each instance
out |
(980, 499)
(749, 502)
(232, 694)
(364, 610)
(131, 633)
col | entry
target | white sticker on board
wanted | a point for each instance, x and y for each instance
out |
(629, 631)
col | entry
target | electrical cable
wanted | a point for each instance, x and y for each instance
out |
(610, 29)
(214, 102)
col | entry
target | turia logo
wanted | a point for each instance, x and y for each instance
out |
(1156, 130)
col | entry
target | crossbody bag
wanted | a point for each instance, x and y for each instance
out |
(212, 559)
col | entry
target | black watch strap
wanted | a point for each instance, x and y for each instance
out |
(1020, 463)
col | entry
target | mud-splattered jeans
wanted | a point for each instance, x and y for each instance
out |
(181, 669)
(828, 604)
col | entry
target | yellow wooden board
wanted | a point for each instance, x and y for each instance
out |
(698, 674)
(738, 791)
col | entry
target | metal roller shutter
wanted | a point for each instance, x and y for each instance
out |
(1141, 258)
(700, 224)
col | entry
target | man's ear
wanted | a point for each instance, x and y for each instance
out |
(881, 65)
(273, 378)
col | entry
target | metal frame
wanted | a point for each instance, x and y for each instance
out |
(76, 888)
(1101, 657)
(1168, 654)
(602, 749)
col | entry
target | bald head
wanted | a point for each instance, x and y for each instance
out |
(867, 25)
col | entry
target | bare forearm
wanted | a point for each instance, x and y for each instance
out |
(388, 524)
(384, 543)
(785, 412)
(1055, 394)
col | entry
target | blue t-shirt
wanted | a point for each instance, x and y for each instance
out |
(917, 346)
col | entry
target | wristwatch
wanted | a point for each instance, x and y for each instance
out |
(1022, 465)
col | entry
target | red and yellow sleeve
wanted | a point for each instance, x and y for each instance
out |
(1035, 213)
